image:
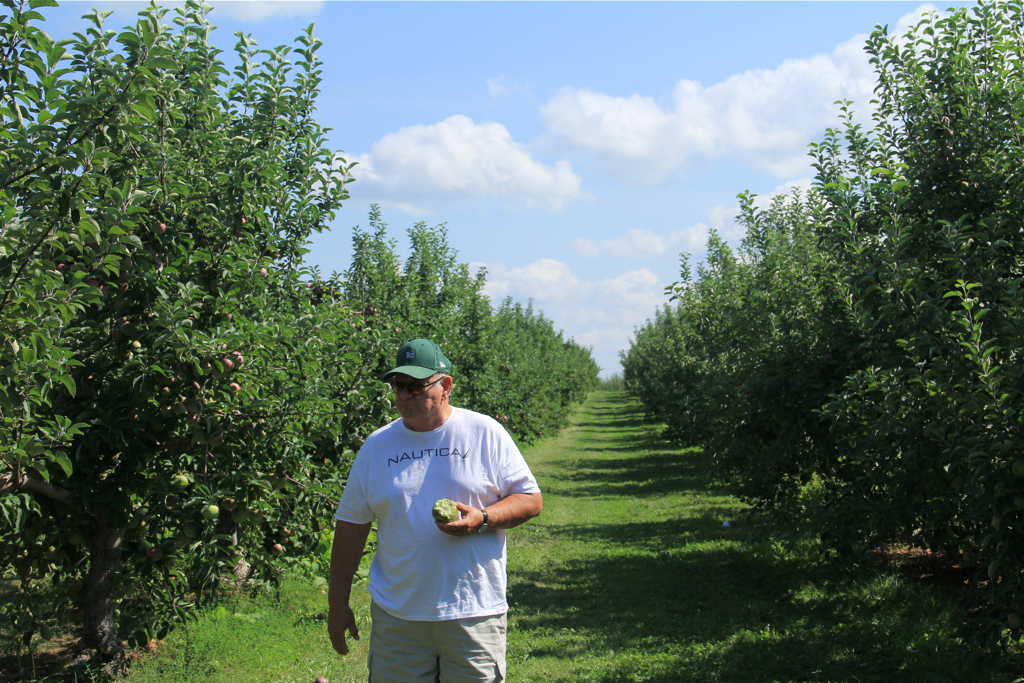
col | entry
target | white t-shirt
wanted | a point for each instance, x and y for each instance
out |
(420, 573)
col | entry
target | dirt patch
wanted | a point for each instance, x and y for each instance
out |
(942, 570)
(50, 660)
(945, 571)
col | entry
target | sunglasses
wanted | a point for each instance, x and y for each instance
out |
(414, 388)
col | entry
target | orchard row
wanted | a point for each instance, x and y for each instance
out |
(180, 395)
(859, 361)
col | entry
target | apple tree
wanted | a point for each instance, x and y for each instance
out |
(879, 364)
(925, 216)
(170, 388)
(508, 360)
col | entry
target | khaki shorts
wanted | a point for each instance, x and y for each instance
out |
(430, 651)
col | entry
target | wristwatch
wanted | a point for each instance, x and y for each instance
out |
(483, 527)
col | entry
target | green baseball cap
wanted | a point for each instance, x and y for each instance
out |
(419, 358)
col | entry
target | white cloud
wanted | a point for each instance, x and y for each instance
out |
(764, 117)
(910, 19)
(458, 160)
(599, 313)
(544, 280)
(260, 10)
(723, 219)
(786, 188)
(641, 244)
(503, 86)
(646, 244)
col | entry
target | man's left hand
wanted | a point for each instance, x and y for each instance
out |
(471, 520)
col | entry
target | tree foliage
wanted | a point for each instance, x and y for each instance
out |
(750, 350)
(886, 359)
(508, 362)
(180, 395)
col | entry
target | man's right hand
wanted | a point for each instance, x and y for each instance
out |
(339, 620)
(346, 552)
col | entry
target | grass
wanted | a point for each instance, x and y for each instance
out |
(630, 575)
(280, 637)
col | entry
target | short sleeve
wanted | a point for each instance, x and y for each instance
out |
(515, 475)
(354, 507)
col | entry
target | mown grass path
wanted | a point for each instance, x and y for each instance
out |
(630, 575)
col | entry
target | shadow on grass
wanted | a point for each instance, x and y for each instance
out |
(654, 474)
(734, 612)
(685, 599)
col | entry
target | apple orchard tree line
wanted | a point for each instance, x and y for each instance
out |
(180, 396)
(858, 363)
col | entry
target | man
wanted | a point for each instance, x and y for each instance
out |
(439, 609)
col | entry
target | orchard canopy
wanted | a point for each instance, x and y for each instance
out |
(858, 362)
(180, 395)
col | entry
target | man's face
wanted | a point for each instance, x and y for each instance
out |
(427, 403)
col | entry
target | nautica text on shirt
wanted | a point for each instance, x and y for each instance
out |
(428, 453)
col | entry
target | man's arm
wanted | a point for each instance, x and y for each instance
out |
(510, 511)
(346, 552)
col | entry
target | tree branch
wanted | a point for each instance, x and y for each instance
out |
(13, 481)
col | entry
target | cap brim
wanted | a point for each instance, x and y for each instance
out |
(414, 371)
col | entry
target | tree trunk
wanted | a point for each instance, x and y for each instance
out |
(99, 641)
(227, 526)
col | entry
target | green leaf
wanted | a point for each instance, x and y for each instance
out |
(68, 383)
(64, 461)
(161, 63)
(132, 240)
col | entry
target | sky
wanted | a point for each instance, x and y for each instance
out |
(573, 149)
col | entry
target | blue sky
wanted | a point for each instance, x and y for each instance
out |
(573, 149)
